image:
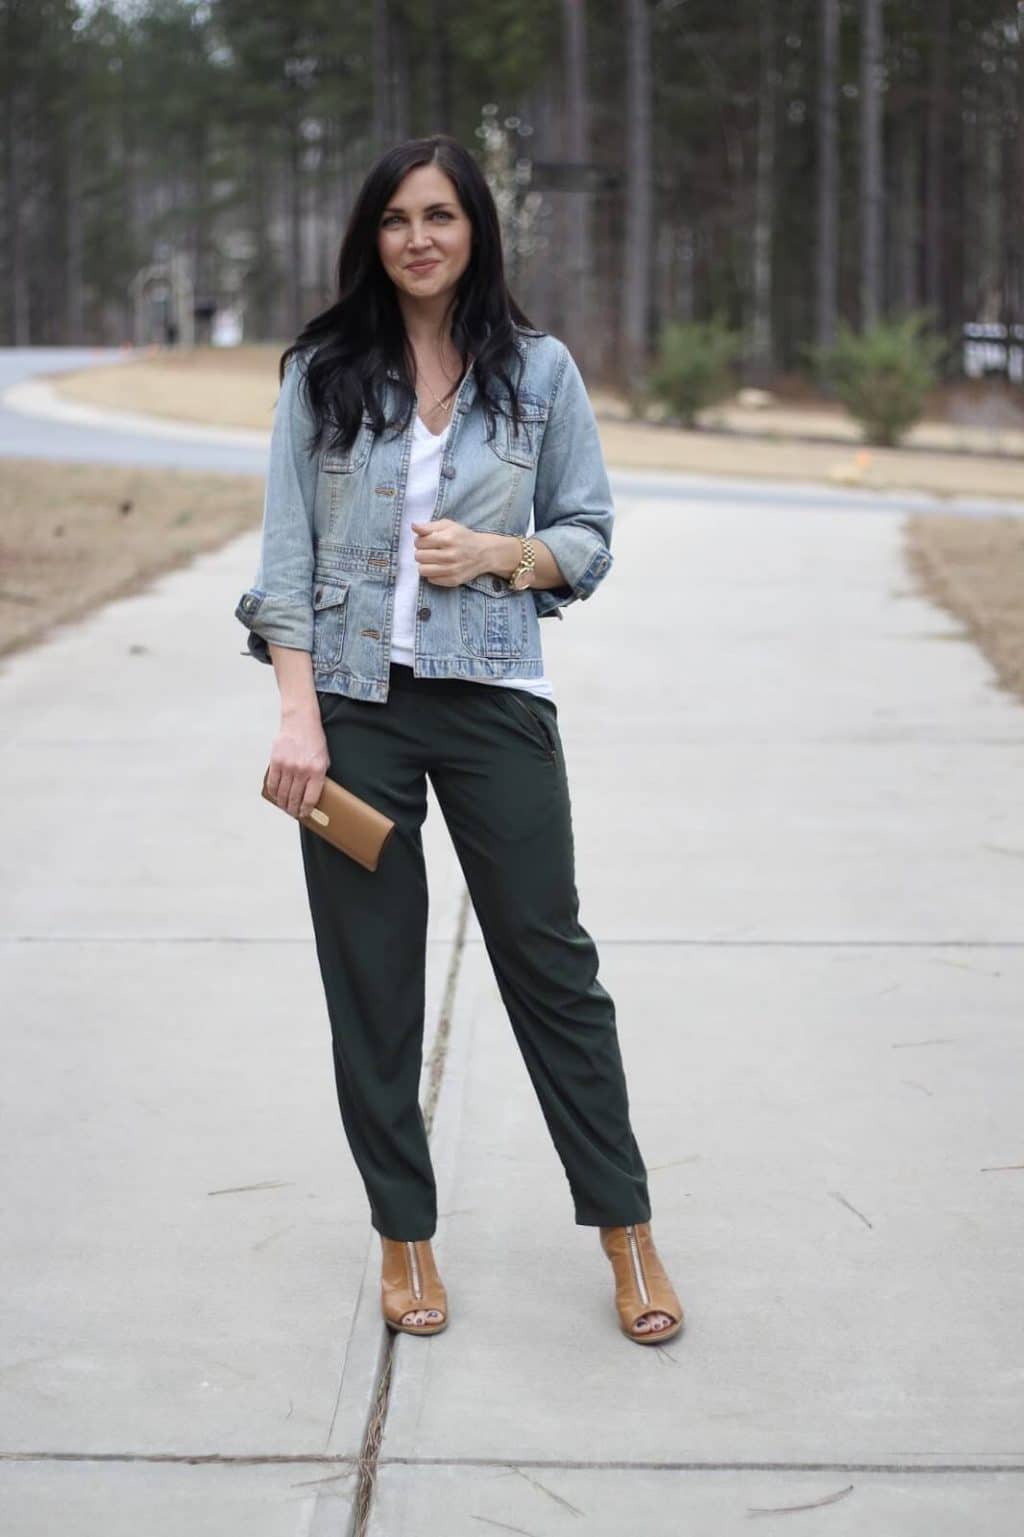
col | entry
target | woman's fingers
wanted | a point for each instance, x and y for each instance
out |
(290, 794)
(279, 781)
(446, 551)
(295, 789)
(298, 767)
(311, 794)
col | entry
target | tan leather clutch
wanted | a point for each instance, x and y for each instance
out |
(344, 820)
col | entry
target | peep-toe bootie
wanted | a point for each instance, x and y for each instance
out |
(641, 1284)
(410, 1284)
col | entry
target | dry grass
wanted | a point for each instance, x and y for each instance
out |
(217, 386)
(73, 536)
(637, 446)
(237, 387)
(974, 567)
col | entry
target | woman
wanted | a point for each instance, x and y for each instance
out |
(398, 595)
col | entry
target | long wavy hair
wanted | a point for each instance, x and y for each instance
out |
(362, 335)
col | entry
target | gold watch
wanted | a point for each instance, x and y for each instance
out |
(527, 561)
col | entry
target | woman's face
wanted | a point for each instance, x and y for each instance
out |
(423, 222)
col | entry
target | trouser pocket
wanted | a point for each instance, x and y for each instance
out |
(533, 712)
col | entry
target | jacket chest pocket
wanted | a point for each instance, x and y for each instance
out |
(339, 461)
(492, 618)
(520, 443)
(330, 611)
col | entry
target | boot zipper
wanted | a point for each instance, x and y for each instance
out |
(414, 1270)
(638, 1269)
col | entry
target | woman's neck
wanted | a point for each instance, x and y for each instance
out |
(427, 322)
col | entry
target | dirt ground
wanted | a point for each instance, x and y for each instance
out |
(974, 567)
(220, 387)
(73, 536)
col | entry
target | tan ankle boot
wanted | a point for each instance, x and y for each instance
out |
(641, 1284)
(410, 1283)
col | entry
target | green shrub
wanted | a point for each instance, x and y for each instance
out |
(693, 368)
(883, 374)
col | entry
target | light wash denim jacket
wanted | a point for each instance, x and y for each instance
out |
(331, 523)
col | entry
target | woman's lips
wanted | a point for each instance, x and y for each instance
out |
(420, 266)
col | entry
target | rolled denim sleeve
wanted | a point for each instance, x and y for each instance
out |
(572, 501)
(278, 606)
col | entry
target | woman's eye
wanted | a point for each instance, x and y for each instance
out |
(439, 213)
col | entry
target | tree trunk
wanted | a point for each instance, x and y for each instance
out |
(1014, 182)
(827, 285)
(15, 212)
(637, 263)
(966, 191)
(400, 92)
(17, 254)
(577, 305)
(907, 216)
(134, 187)
(381, 75)
(762, 358)
(73, 286)
(935, 221)
(202, 263)
(260, 277)
(989, 227)
(872, 180)
(539, 282)
(439, 87)
(294, 204)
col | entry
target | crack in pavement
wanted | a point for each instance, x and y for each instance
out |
(369, 1455)
(516, 1464)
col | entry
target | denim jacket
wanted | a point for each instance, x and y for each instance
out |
(331, 524)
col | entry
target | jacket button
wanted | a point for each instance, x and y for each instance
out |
(497, 583)
(448, 470)
(424, 612)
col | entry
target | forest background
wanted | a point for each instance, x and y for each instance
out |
(782, 165)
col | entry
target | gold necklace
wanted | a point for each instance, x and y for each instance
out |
(441, 405)
(445, 401)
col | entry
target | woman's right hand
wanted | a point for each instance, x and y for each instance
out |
(298, 761)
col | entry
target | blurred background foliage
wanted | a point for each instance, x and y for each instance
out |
(775, 166)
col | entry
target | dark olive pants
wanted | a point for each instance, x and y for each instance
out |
(494, 757)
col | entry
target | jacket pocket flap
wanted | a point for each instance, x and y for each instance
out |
(329, 594)
(337, 461)
(490, 583)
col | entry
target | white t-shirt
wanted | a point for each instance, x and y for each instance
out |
(420, 500)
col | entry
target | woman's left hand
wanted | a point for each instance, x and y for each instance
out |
(448, 552)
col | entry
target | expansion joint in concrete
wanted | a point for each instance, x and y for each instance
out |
(369, 1455)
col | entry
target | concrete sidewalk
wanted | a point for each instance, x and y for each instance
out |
(800, 849)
